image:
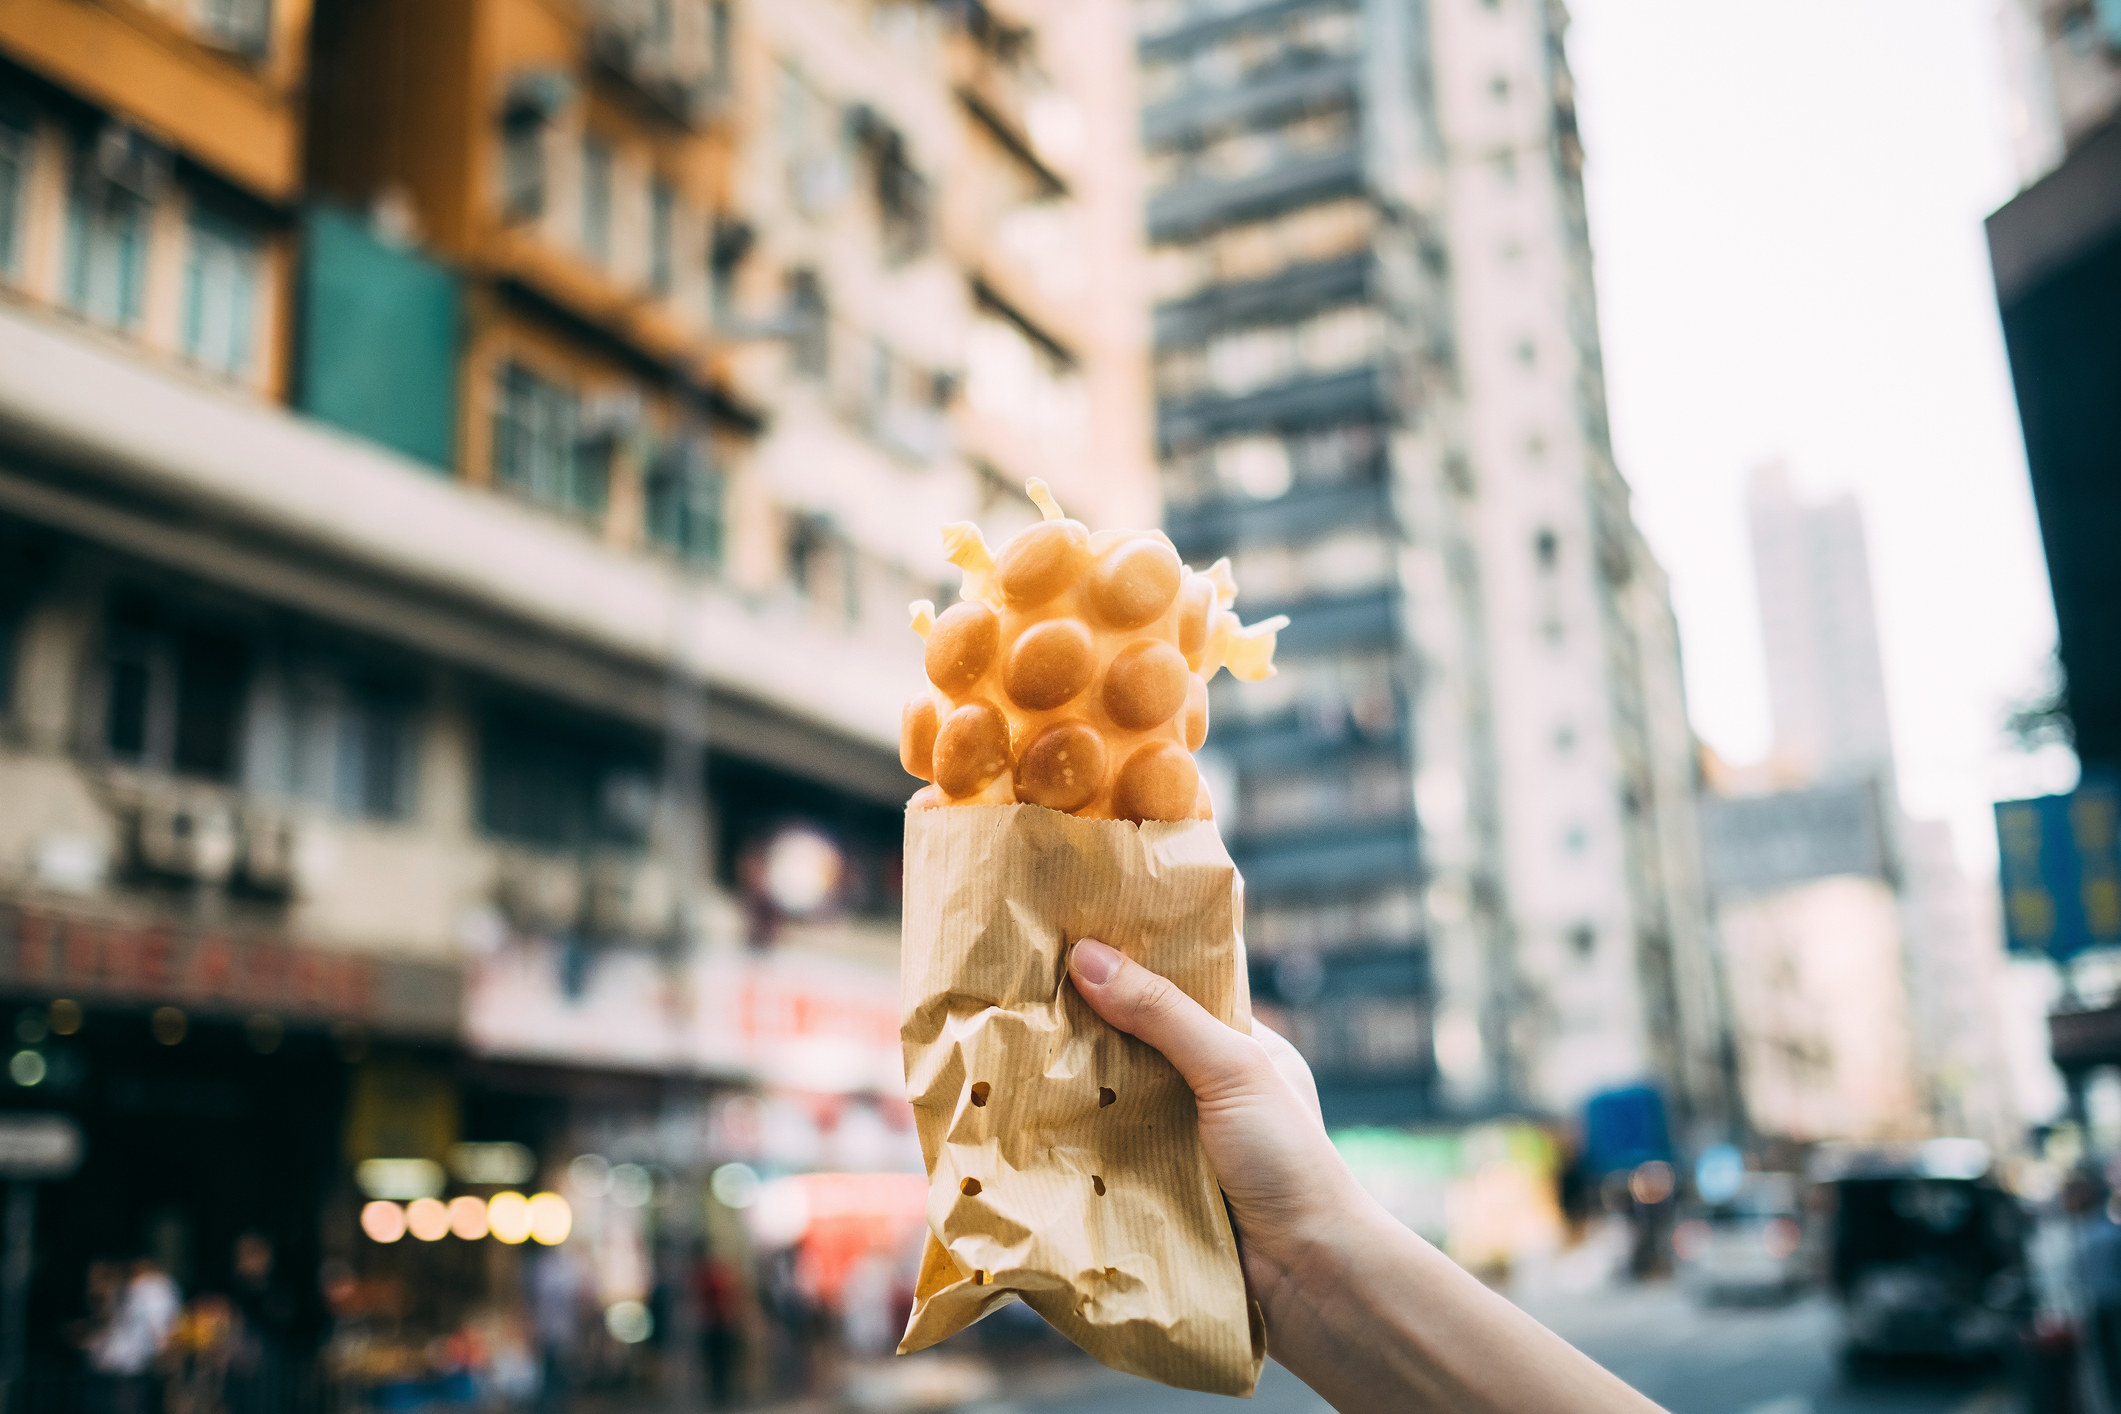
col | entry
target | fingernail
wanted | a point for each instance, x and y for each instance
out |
(1094, 962)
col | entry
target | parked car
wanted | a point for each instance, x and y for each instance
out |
(1752, 1247)
(1926, 1251)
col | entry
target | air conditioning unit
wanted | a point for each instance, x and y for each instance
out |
(271, 848)
(612, 416)
(186, 834)
(540, 893)
(631, 897)
(132, 161)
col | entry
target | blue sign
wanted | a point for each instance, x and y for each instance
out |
(1623, 1128)
(1718, 1174)
(2061, 871)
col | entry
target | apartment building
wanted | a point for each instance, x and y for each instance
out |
(462, 474)
(1465, 818)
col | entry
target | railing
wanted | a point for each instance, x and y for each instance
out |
(1321, 400)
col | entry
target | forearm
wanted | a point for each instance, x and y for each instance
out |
(1375, 1319)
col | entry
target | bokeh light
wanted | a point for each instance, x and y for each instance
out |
(383, 1221)
(26, 1068)
(427, 1219)
(734, 1185)
(168, 1024)
(508, 1217)
(550, 1219)
(467, 1217)
(628, 1322)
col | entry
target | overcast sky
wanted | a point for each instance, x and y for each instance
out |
(1786, 200)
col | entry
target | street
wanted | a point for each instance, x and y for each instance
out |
(1692, 1360)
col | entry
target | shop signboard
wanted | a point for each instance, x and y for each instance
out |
(49, 952)
(2061, 864)
(795, 1017)
(38, 1146)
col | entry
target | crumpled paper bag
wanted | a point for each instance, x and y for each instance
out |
(1064, 1161)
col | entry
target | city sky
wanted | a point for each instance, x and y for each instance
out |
(1786, 200)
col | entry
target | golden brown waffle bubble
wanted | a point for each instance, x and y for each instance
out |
(1073, 673)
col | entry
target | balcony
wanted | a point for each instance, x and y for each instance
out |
(1215, 528)
(1283, 744)
(1328, 858)
(1325, 400)
(1254, 102)
(1381, 968)
(1334, 625)
(1192, 209)
(1188, 37)
(367, 538)
(1278, 299)
(1369, 1098)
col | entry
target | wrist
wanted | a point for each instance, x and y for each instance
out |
(1306, 1269)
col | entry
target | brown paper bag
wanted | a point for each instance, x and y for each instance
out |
(1064, 1160)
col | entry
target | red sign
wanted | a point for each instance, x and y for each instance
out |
(51, 952)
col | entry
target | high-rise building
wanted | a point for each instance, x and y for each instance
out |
(1808, 918)
(1464, 815)
(463, 470)
(1819, 624)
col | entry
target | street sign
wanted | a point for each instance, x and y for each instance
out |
(38, 1146)
(2061, 860)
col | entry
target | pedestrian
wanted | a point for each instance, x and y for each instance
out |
(126, 1350)
(556, 1290)
(1355, 1304)
(2096, 1244)
(718, 1298)
(265, 1315)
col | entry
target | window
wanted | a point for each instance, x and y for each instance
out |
(17, 149)
(106, 251)
(523, 164)
(1547, 547)
(539, 451)
(174, 697)
(1390, 916)
(221, 294)
(596, 199)
(662, 235)
(244, 26)
(1583, 939)
(731, 243)
(811, 342)
(823, 567)
(339, 739)
(902, 196)
(563, 785)
(685, 501)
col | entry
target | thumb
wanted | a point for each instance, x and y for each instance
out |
(1215, 1059)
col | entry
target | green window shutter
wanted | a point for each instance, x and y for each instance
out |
(382, 330)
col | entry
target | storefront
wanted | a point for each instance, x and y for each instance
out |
(208, 1070)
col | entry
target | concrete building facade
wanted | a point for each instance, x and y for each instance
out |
(462, 475)
(1465, 819)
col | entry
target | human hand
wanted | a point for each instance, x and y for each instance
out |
(1259, 1115)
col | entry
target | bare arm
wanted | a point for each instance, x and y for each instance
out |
(1358, 1307)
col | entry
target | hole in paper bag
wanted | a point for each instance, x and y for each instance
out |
(970, 1188)
(980, 1091)
(1097, 1185)
(1105, 1096)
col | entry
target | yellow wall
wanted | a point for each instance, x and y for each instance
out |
(237, 118)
